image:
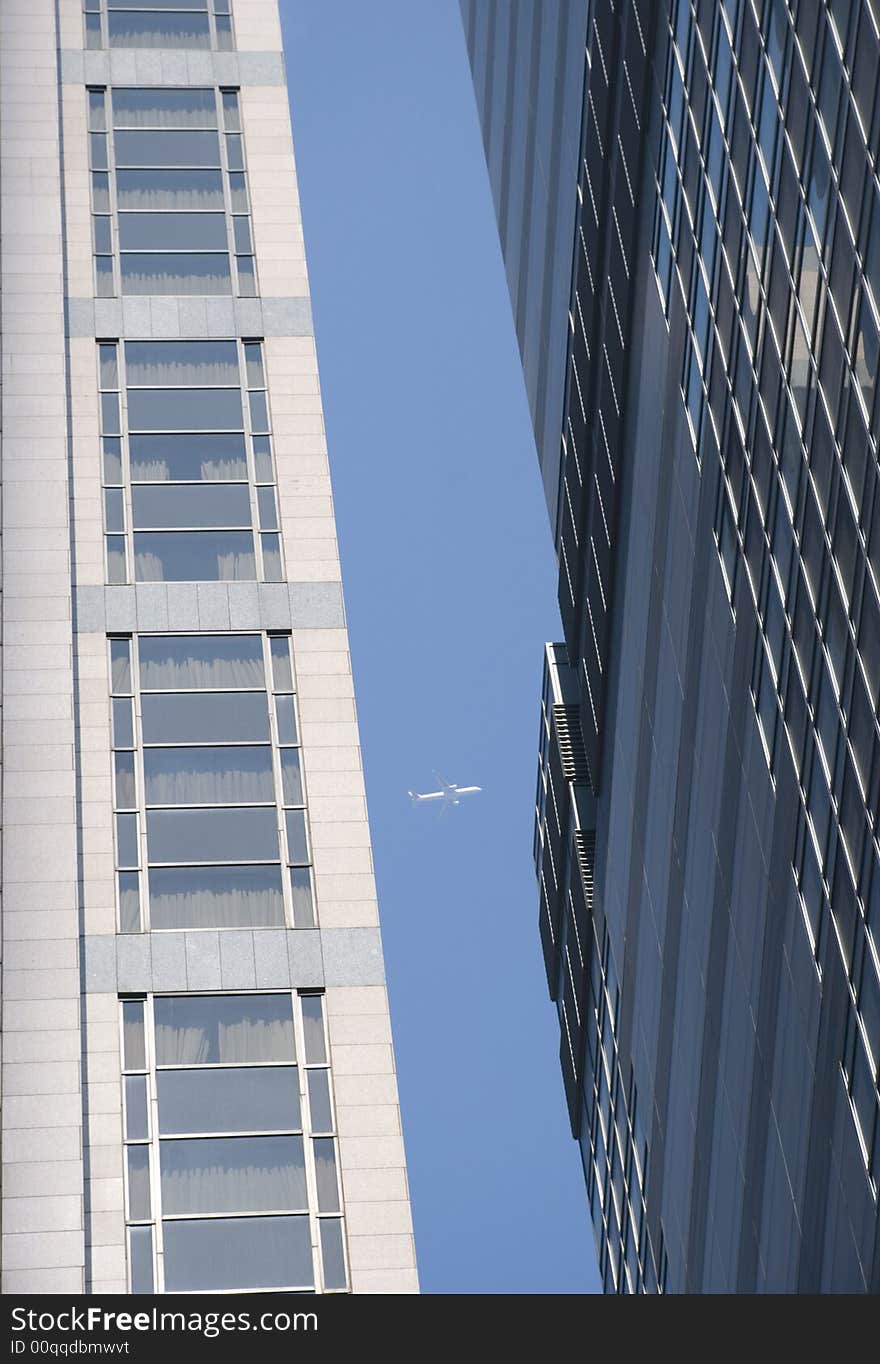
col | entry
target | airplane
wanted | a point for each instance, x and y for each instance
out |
(450, 794)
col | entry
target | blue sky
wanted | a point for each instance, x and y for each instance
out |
(450, 591)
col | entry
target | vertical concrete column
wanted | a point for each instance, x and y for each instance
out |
(42, 1213)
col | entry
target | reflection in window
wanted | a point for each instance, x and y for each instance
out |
(244, 1130)
(214, 777)
(198, 485)
(158, 23)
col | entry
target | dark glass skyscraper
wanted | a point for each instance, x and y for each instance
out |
(706, 833)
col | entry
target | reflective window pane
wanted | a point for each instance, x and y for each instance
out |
(325, 1174)
(247, 280)
(234, 152)
(271, 547)
(98, 151)
(282, 672)
(332, 1254)
(172, 232)
(187, 836)
(160, 190)
(111, 447)
(263, 459)
(230, 717)
(114, 511)
(134, 1046)
(285, 711)
(164, 108)
(124, 788)
(136, 1125)
(108, 366)
(218, 1029)
(127, 854)
(120, 665)
(101, 192)
(248, 1099)
(138, 1159)
(297, 843)
(320, 1111)
(188, 662)
(190, 505)
(186, 364)
(140, 1254)
(238, 1252)
(291, 778)
(301, 891)
(166, 149)
(238, 192)
(313, 1028)
(231, 115)
(259, 411)
(253, 361)
(216, 897)
(110, 414)
(266, 508)
(128, 883)
(241, 234)
(209, 776)
(184, 409)
(97, 111)
(233, 1174)
(150, 29)
(189, 457)
(170, 273)
(194, 556)
(103, 235)
(123, 724)
(117, 571)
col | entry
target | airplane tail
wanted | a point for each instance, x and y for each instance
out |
(413, 797)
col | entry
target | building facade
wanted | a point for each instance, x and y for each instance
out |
(198, 1086)
(706, 825)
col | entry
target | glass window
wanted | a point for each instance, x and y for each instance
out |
(156, 507)
(163, 108)
(209, 717)
(184, 409)
(228, 1099)
(164, 190)
(194, 556)
(155, 29)
(216, 897)
(191, 662)
(166, 149)
(233, 1174)
(168, 272)
(230, 774)
(235, 835)
(224, 1029)
(172, 232)
(187, 458)
(241, 1253)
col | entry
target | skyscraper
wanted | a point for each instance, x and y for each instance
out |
(198, 1082)
(706, 826)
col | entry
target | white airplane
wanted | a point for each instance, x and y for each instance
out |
(449, 794)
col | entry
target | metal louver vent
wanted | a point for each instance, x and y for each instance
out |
(570, 742)
(585, 847)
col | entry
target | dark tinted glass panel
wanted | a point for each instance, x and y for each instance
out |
(218, 1029)
(187, 458)
(112, 452)
(238, 191)
(325, 1174)
(136, 1125)
(246, 1099)
(235, 152)
(158, 30)
(184, 409)
(123, 724)
(182, 504)
(127, 850)
(263, 459)
(259, 411)
(101, 192)
(313, 1028)
(187, 662)
(162, 190)
(216, 897)
(225, 775)
(184, 836)
(157, 4)
(233, 1174)
(320, 1113)
(282, 673)
(286, 713)
(124, 789)
(172, 232)
(291, 776)
(170, 273)
(194, 556)
(297, 845)
(301, 893)
(130, 902)
(209, 717)
(238, 1252)
(241, 230)
(167, 149)
(120, 665)
(134, 1047)
(103, 235)
(164, 108)
(332, 1255)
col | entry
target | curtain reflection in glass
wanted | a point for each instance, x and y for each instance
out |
(233, 1174)
(172, 232)
(162, 190)
(252, 1099)
(209, 776)
(138, 1182)
(325, 1174)
(216, 897)
(213, 1029)
(164, 108)
(188, 457)
(194, 556)
(188, 662)
(185, 363)
(167, 273)
(158, 30)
